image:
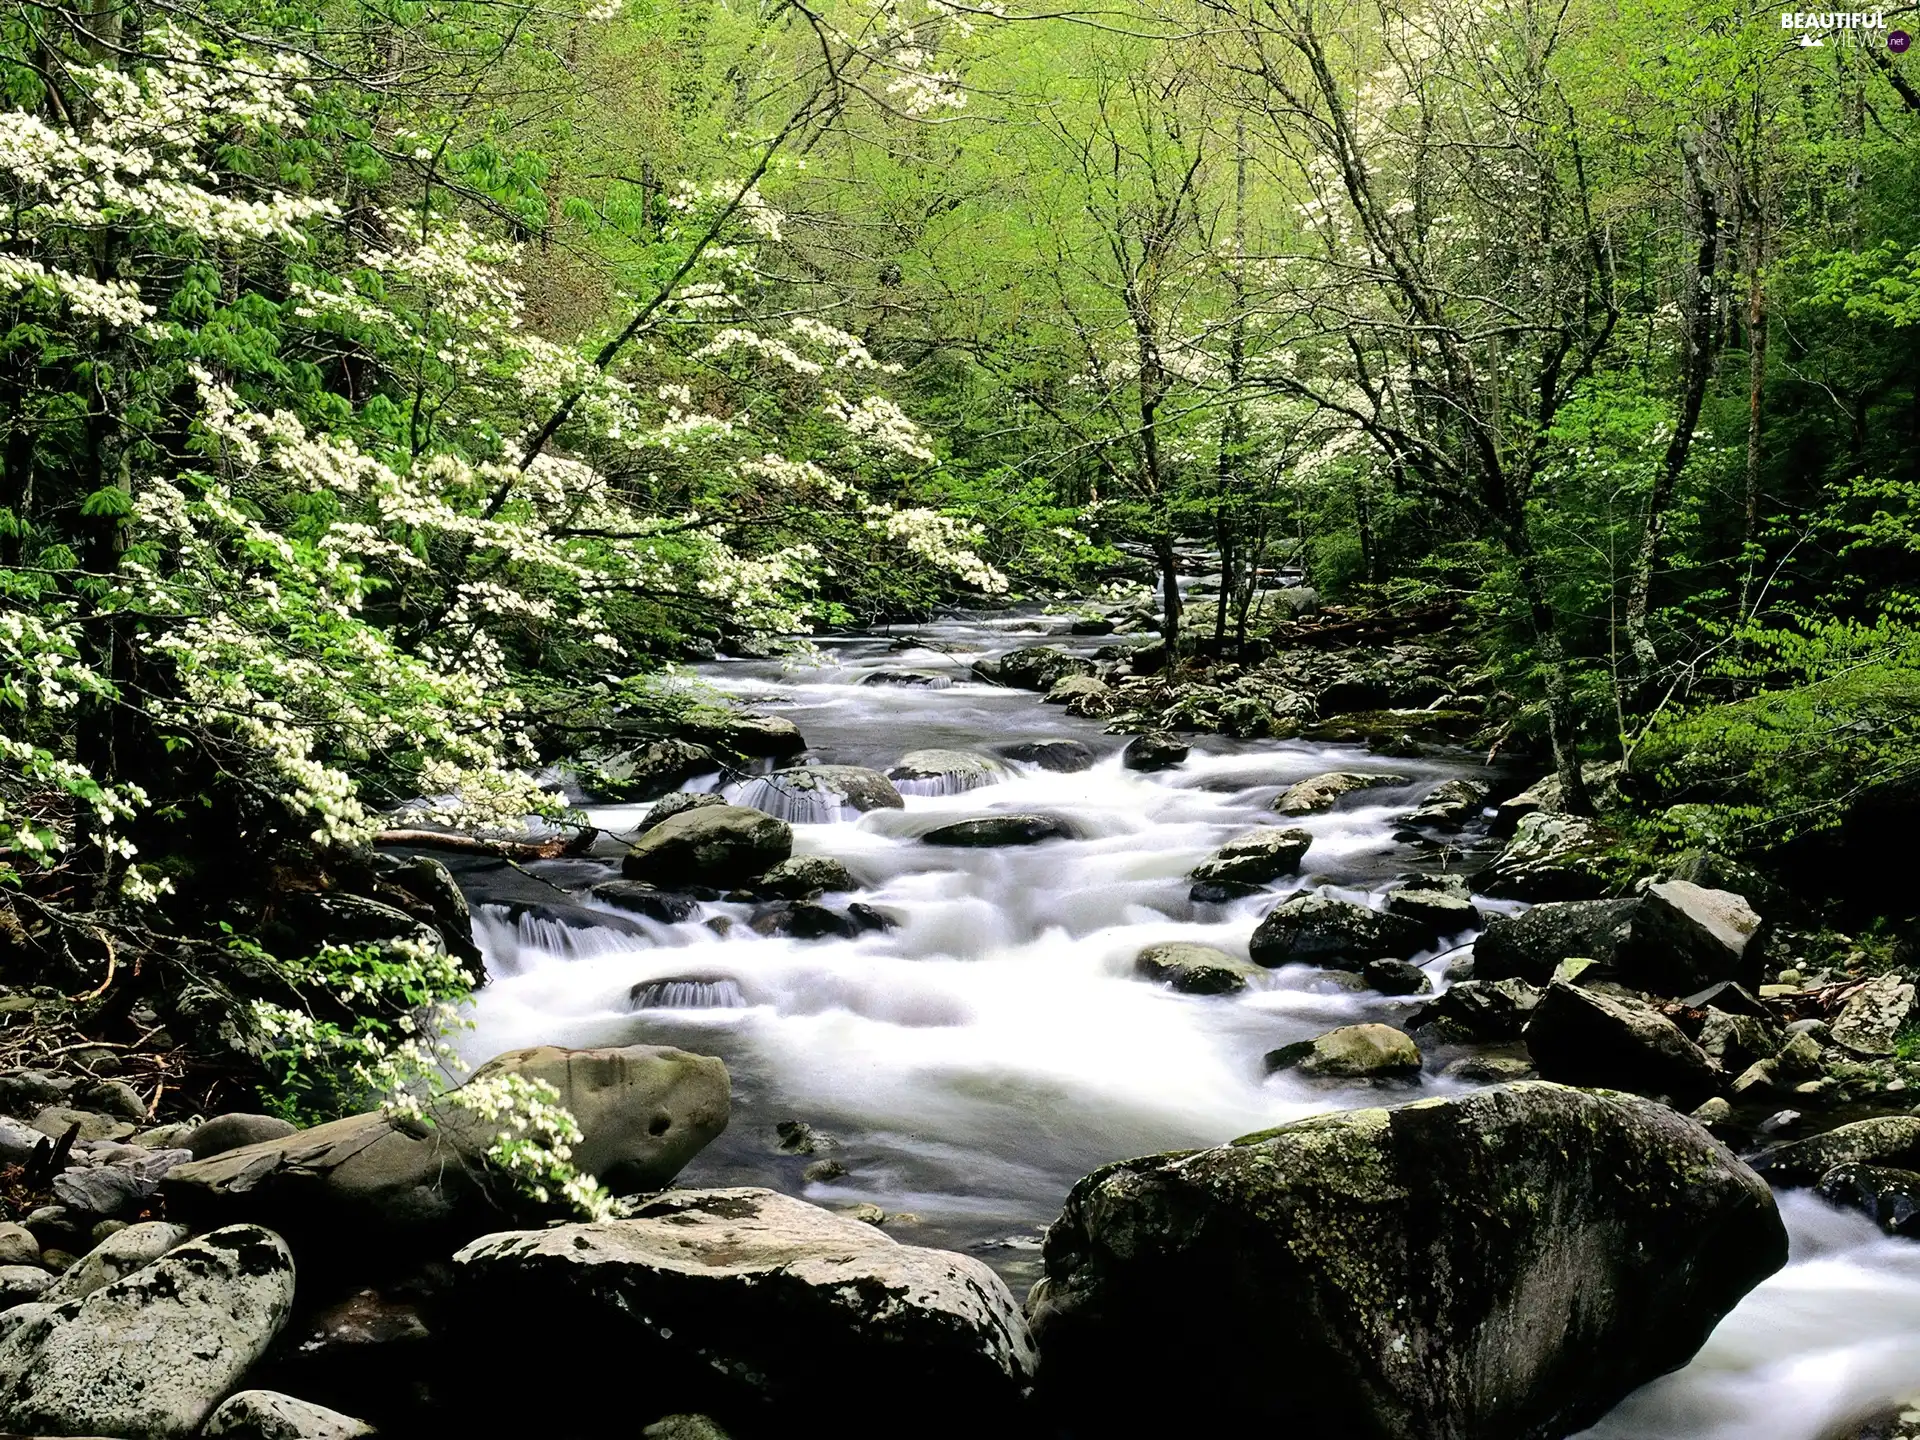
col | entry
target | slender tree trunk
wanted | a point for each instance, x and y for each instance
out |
(1698, 350)
(1169, 596)
(16, 463)
(1756, 387)
(1563, 725)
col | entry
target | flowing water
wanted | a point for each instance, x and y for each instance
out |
(972, 1063)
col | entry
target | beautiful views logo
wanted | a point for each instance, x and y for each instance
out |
(1815, 26)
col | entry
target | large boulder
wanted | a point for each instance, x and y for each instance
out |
(1442, 903)
(1255, 857)
(1353, 1052)
(643, 771)
(805, 876)
(718, 845)
(1310, 797)
(1686, 938)
(816, 794)
(151, 1354)
(758, 737)
(1886, 1141)
(1194, 969)
(1337, 934)
(1582, 1038)
(115, 1258)
(1506, 1265)
(1530, 946)
(385, 1184)
(744, 1298)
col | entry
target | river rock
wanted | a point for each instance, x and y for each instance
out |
(668, 806)
(1451, 804)
(684, 1427)
(1686, 938)
(759, 737)
(1544, 797)
(812, 793)
(1886, 1141)
(383, 1184)
(757, 1297)
(1069, 688)
(1154, 751)
(1530, 946)
(1316, 929)
(232, 1130)
(1065, 757)
(1255, 857)
(1310, 797)
(17, 1245)
(1506, 1265)
(996, 830)
(910, 679)
(1551, 857)
(641, 772)
(1736, 1041)
(1353, 1052)
(945, 772)
(662, 906)
(22, 1283)
(803, 876)
(152, 1353)
(1396, 977)
(56, 1120)
(720, 845)
(1873, 1015)
(269, 1415)
(115, 1258)
(1444, 909)
(1038, 667)
(109, 1179)
(1194, 969)
(18, 1141)
(1889, 1198)
(1580, 1038)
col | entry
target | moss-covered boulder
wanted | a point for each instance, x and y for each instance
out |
(1338, 934)
(1503, 1266)
(1194, 969)
(1255, 857)
(1353, 1052)
(718, 845)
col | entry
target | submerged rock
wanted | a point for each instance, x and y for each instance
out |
(718, 845)
(1310, 797)
(1889, 1198)
(1503, 1266)
(152, 1353)
(995, 830)
(1580, 1038)
(1064, 757)
(750, 1297)
(1338, 934)
(1353, 1052)
(1154, 751)
(1194, 969)
(1255, 857)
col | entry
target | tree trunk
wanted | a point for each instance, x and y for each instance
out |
(1698, 349)
(1169, 597)
(1563, 725)
(1756, 385)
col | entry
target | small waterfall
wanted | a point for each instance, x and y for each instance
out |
(689, 993)
(773, 796)
(948, 783)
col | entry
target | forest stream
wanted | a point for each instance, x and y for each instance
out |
(969, 1065)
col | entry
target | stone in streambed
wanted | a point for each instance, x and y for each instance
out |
(1310, 797)
(805, 876)
(1396, 977)
(1451, 804)
(1338, 934)
(269, 1415)
(1154, 751)
(661, 906)
(680, 801)
(810, 794)
(232, 1130)
(1063, 757)
(1194, 969)
(1553, 857)
(1037, 667)
(719, 845)
(1352, 1052)
(757, 1299)
(1531, 945)
(21, 1283)
(1886, 1141)
(17, 1245)
(152, 1353)
(1442, 903)
(1580, 1038)
(1890, 1198)
(997, 830)
(946, 772)
(1479, 1011)
(1506, 1265)
(1255, 857)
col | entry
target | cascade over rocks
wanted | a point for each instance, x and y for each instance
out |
(152, 1353)
(945, 772)
(1581, 1038)
(1317, 929)
(813, 793)
(378, 1184)
(737, 1298)
(718, 845)
(1502, 1266)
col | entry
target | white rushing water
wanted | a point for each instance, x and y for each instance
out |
(977, 1060)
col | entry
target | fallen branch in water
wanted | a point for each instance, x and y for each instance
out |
(553, 849)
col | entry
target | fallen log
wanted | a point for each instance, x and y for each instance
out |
(558, 847)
